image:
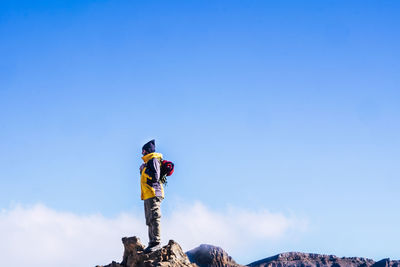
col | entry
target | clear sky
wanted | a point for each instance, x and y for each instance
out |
(285, 112)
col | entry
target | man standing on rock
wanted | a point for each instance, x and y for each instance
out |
(152, 192)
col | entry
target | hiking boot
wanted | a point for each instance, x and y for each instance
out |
(153, 246)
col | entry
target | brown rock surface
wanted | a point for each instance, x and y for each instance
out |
(170, 255)
(211, 256)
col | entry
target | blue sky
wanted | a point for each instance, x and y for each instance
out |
(290, 107)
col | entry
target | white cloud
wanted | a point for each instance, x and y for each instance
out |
(38, 236)
(195, 224)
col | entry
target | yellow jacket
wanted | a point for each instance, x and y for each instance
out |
(150, 184)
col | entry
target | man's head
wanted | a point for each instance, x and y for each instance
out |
(149, 147)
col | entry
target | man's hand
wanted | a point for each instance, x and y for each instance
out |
(142, 166)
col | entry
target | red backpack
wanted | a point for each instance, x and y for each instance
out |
(166, 169)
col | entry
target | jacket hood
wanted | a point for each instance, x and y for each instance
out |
(149, 156)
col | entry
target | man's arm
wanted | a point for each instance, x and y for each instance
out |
(142, 167)
(153, 169)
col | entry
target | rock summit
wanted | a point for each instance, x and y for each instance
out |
(168, 256)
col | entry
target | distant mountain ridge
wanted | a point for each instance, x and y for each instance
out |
(172, 255)
(297, 259)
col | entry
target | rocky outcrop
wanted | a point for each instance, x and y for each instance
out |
(296, 259)
(170, 255)
(211, 256)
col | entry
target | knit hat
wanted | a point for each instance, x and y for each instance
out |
(150, 146)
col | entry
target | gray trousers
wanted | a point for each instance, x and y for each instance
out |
(152, 212)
